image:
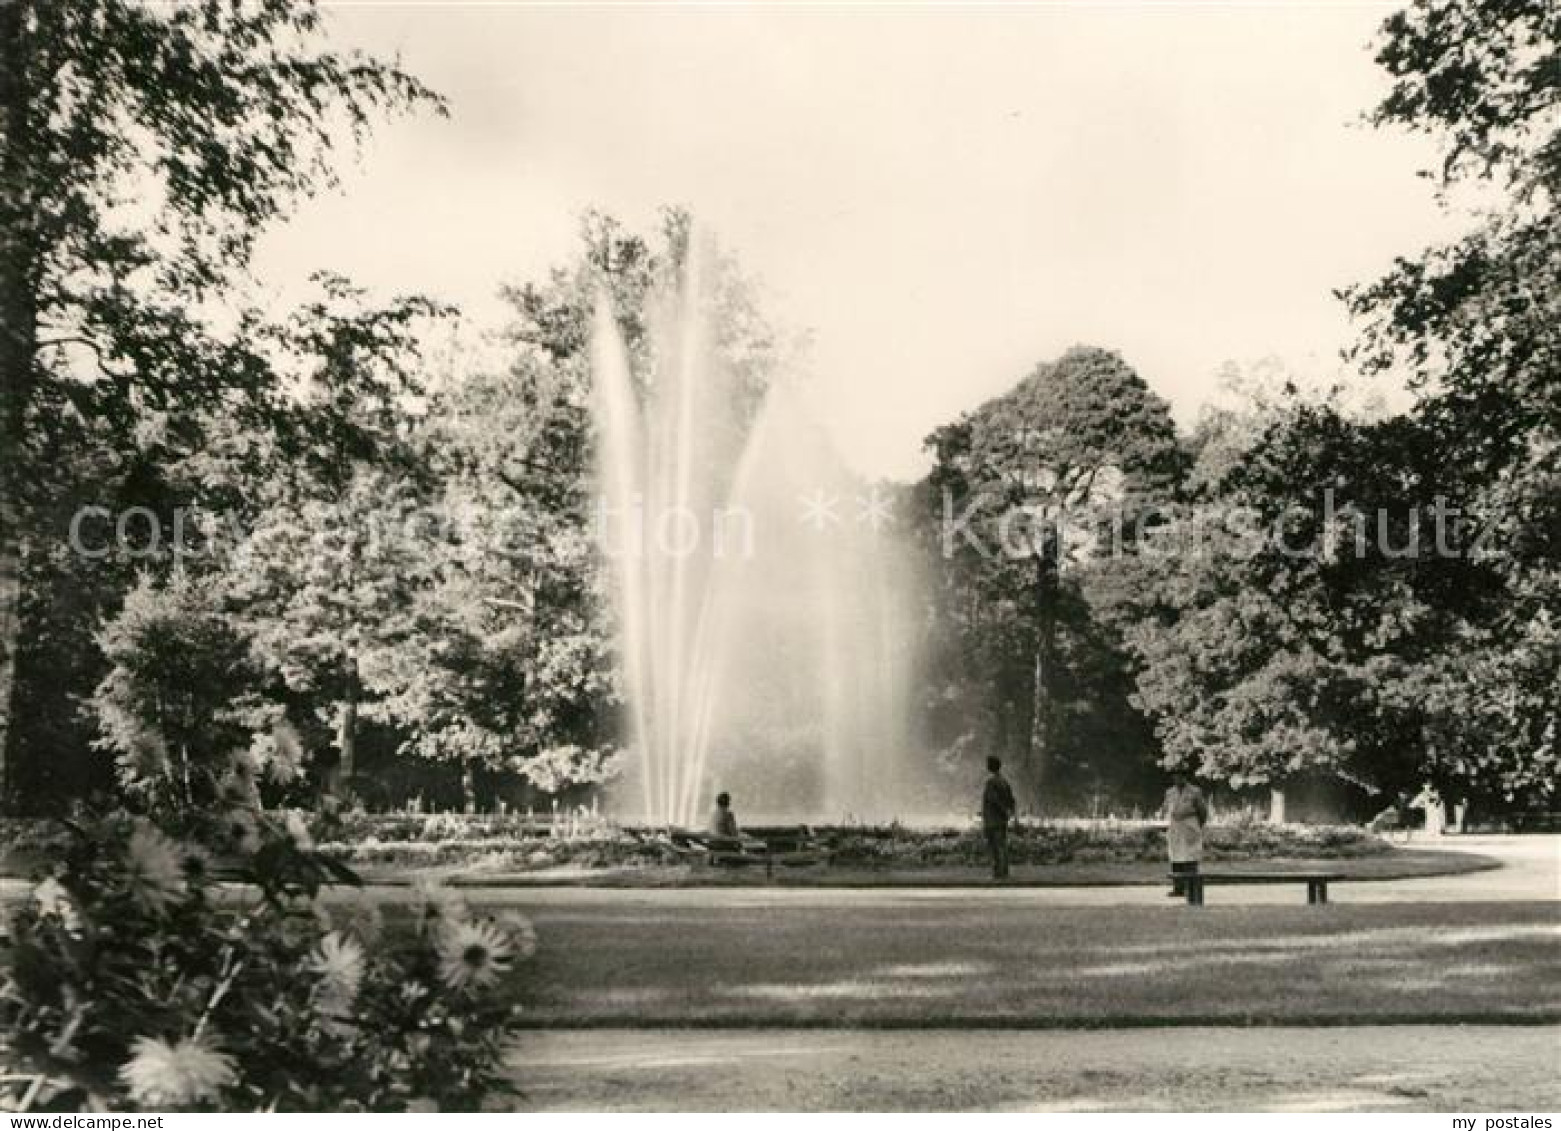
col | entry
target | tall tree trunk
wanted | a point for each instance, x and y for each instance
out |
(10, 611)
(19, 260)
(347, 734)
(1038, 747)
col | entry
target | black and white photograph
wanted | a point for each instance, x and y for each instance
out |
(822, 557)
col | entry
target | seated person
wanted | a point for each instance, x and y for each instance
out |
(723, 822)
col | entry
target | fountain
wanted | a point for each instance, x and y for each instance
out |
(765, 631)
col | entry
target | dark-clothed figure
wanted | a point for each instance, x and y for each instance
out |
(723, 822)
(997, 809)
(1186, 812)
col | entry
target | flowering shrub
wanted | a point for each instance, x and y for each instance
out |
(487, 842)
(494, 843)
(1105, 842)
(133, 981)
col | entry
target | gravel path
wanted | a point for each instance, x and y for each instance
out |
(1530, 870)
(1395, 1068)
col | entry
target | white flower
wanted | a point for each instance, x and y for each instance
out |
(154, 870)
(472, 955)
(243, 831)
(287, 754)
(339, 963)
(298, 831)
(197, 863)
(160, 1075)
(52, 899)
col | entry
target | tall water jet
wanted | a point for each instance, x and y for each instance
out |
(764, 625)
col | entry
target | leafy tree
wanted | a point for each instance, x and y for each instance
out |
(1396, 633)
(324, 586)
(1226, 610)
(639, 273)
(1473, 325)
(1026, 489)
(142, 147)
(514, 667)
(173, 707)
(416, 554)
(1313, 611)
(518, 672)
(327, 576)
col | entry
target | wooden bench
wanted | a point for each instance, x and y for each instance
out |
(1536, 822)
(792, 844)
(1316, 882)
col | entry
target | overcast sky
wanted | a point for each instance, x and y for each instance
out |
(943, 196)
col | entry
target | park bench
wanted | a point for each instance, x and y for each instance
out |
(789, 845)
(1316, 882)
(1536, 822)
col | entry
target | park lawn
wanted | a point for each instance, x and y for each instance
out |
(957, 963)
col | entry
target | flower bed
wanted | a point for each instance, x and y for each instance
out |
(1085, 843)
(520, 843)
(516, 843)
(488, 842)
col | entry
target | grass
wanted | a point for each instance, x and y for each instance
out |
(955, 962)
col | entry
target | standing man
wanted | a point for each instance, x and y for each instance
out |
(1186, 812)
(997, 809)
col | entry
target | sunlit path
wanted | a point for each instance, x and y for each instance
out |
(1530, 870)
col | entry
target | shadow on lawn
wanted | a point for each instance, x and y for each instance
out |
(877, 966)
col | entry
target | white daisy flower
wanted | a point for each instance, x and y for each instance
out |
(298, 831)
(52, 899)
(472, 955)
(154, 870)
(243, 831)
(338, 961)
(160, 1075)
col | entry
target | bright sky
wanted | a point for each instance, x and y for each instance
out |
(944, 196)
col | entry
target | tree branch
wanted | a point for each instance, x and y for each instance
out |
(92, 344)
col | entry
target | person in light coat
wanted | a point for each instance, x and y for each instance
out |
(1186, 812)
